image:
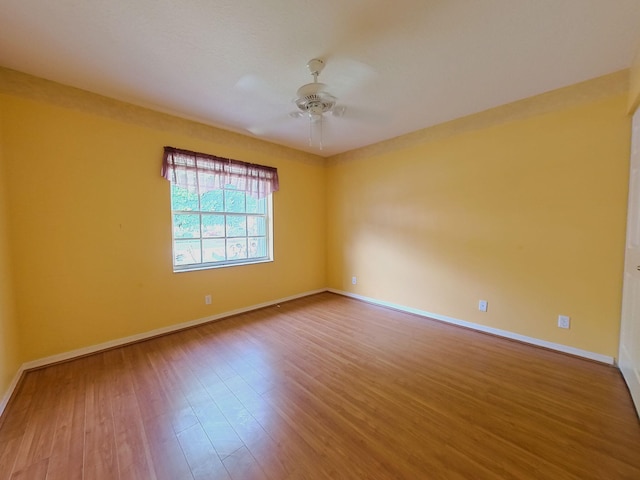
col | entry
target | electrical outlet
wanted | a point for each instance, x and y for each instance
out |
(207, 299)
(564, 321)
(483, 305)
(354, 280)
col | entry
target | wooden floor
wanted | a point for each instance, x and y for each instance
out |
(323, 387)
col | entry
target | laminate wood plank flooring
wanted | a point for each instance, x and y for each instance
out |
(323, 387)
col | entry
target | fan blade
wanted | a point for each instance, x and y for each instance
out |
(256, 86)
(272, 125)
(364, 115)
(344, 75)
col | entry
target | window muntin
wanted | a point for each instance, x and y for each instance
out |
(219, 227)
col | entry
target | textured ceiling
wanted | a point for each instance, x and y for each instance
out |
(397, 67)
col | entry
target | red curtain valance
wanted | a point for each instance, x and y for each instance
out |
(208, 172)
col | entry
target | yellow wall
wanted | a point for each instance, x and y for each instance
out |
(9, 353)
(89, 221)
(528, 214)
(523, 206)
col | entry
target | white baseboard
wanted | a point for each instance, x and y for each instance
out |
(80, 352)
(11, 389)
(482, 328)
(42, 362)
(631, 376)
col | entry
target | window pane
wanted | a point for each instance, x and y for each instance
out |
(236, 226)
(212, 201)
(186, 225)
(257, 247)
(234, 201)
(256, 225)
(213, 226)
(213, 250)
(256, 206)
(236, 248)
(186, 252)
(183, 199)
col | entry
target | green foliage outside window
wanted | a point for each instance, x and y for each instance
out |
(224, 226)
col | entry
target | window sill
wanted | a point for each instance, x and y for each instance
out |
(196, 268)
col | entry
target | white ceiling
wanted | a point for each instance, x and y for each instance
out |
(398, 66)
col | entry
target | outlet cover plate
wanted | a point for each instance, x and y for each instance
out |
(564, 321)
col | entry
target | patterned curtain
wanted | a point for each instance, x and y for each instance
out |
(194, 170)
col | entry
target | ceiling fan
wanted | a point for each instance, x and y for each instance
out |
(313, 101)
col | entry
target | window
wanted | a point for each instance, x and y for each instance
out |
(221, 210)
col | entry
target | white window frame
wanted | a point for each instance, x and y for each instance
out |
(227, 262)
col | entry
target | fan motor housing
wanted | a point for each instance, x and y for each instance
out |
(313, 99)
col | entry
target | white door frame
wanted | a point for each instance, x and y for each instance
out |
(629, 352)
